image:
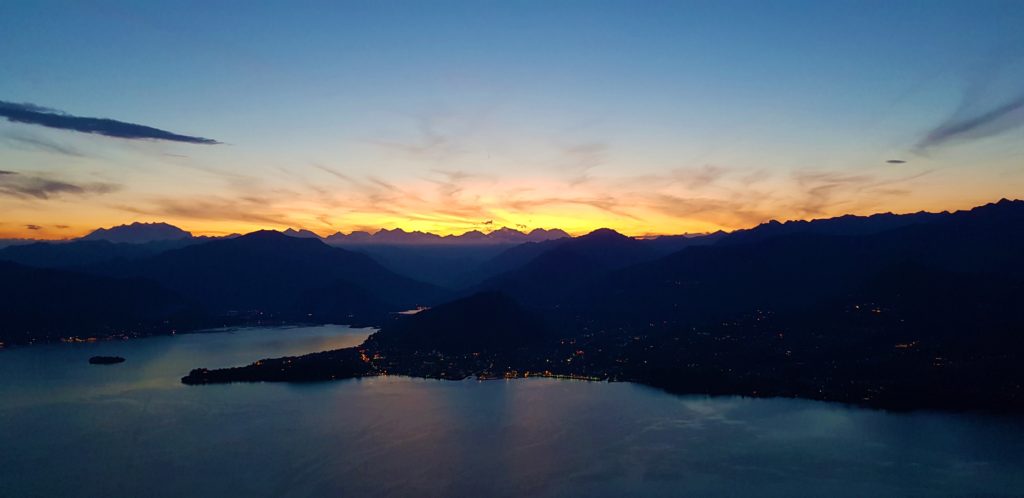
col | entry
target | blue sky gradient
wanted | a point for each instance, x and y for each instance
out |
(649, 117)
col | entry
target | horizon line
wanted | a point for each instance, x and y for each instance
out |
(455, 235)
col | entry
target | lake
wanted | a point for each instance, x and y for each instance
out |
(68, 428)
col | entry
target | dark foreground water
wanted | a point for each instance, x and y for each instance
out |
(72, 429)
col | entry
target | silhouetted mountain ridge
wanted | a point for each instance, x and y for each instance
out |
(915, 312)
(137, 233)
(301, 233)
(271, 272)
(854, 225)
(564, 267)
(515, 258)
(805, 267)
(398, 236)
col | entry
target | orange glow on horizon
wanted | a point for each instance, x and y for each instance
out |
(675, 202)
(576, 221)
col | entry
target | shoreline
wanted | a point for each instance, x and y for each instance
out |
(233, 375)
(206, 330)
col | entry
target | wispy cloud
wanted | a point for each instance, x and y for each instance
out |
(39, 143)
(971, 123)
(825, 192)
(578, 159)
(33, 114)
(697, 178)
(251, 209)
(333, 172)
(739, 211)
(431, 144)
(13, 184)
(608, 203)
(992, 102)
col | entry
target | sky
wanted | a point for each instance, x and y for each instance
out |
(646, 117)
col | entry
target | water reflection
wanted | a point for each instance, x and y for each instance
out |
(133, 430)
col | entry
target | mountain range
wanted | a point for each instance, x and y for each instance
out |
(895, 311)
(892, 311)
(142, 233)
(271, 273)
(99, 288)
(501, 236)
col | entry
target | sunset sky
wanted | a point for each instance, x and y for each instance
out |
(646, 117)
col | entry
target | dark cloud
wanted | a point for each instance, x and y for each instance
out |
(33, 227)
(21, 186)
(970, 123)
(50, 118)
(896, 161)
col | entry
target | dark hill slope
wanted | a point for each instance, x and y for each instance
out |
(802, 269)
(84, 254)
(560, 272)
(43, 305)
(483, 322)
(293, 277)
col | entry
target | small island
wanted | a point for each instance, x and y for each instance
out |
(105, 360)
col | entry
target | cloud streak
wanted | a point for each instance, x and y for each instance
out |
(258, 210)
(40, 143)
(825, 192)
(964, 126)
(36, 115)
(19, 186)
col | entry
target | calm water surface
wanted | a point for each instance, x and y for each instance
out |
(72, 429)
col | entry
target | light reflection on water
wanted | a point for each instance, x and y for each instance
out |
(69, 428)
